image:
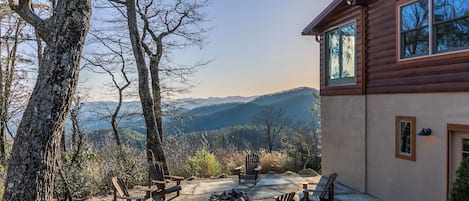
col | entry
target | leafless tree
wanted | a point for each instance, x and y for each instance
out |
(32, 167)
(271, 122)
(168, 25)
(11, 37)
(112, 63)
(156, 26)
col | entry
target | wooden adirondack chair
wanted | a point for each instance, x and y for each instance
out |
(158, 179)
(121, 192)
(326, 194)
(252, 168)
(285, 197)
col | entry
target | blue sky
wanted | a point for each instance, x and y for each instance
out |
(257, 48)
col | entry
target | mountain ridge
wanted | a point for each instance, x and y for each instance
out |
(211, 114)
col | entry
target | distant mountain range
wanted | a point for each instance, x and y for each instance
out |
(206, 114)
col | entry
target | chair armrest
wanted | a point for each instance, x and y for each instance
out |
(237, 170)
(173, 177)
(258, 168)
(158, 182)
(311, 190)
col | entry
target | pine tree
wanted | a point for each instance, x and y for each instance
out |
(460, 190)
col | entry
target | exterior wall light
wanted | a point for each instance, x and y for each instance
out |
(359, 2)
(425, 132)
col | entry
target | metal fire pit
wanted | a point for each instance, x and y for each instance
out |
(233, 195)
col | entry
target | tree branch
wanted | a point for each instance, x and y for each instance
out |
(24, 9)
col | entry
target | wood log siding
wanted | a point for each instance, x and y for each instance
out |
(384, 72)
(343, 15)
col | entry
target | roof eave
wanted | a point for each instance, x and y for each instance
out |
(311, 29)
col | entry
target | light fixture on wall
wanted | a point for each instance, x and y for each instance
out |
(351, 2)
(359, 2)
(354, 2)
(425, 132)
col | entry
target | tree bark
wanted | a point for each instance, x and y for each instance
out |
(32, 167)
(156, 90)
(153, 140)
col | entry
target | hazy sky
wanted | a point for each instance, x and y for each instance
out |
(257, 48)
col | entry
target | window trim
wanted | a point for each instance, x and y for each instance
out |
(398, 154)
(432, 54)
(340, 81)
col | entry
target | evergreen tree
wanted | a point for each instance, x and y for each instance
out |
(460, 190)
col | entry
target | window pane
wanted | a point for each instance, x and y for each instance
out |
(405, 138)
(465, 145)
(465, 155)
(414, 15)
(444, 10)
(453, 34)
(348, 51)
(334, 54)
(415, 42)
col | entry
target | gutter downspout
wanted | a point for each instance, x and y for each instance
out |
(364, 16)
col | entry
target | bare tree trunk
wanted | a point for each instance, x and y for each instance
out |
(153, 140)
(156, 89)
(32, 168)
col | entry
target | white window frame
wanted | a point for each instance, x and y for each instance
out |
(326, 55)
(404, 155)
(431, 52)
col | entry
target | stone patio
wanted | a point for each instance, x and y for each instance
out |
(269, 186)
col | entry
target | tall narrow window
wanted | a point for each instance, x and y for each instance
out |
(428, 27)
(465, 148)
(405, 138)
(340, 45)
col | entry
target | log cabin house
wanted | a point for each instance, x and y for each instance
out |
(394, 95)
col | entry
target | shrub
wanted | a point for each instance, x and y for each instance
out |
(460, 190)
(272, 161)
(132, 168)
(203, 164)
(230, 159)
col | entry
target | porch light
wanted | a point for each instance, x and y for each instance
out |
(425, 132)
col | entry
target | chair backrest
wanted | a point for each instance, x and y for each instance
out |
(252, 161)
(286, 197)
(156, 171)
(120, 187)
(329, 187)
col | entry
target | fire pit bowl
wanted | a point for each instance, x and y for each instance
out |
(233, 195)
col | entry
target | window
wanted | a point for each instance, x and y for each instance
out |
(429, 27)
(340, 55)
(465, 148)
(405, 138)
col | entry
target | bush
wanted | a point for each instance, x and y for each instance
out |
(460, 190)
(272, 162)
(230, 159)
(203, 164)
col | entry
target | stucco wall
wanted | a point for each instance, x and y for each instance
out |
(343, 139)
(391, 178)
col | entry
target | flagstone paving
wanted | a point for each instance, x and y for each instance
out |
(269, 186)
